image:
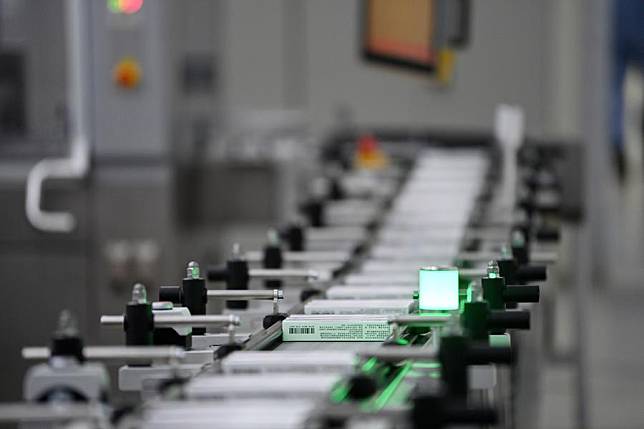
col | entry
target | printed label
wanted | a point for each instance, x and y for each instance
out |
(335, 331)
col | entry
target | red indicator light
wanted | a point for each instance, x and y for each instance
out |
(125, 6)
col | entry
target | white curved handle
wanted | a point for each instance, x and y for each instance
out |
(77, 164)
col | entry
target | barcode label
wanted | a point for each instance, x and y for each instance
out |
(301, 330)
(338, 330)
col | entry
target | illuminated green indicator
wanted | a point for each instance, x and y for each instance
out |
(386, 394)
(438, 288)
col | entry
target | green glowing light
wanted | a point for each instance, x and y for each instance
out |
(387, 392)
(369, 365)
(438, 288)
(340, 393)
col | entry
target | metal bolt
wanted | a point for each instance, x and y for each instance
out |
(273, 237)
(67, 325)
(193, 272)
(477, 292)
(453, 326)
(506, 252)
(139, 294)
(237, 253)
(493, 270)
(518, 239)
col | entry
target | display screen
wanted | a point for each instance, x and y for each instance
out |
(399, 32)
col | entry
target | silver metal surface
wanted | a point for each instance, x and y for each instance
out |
(115, 353)
(283, 274)
(411, 320)
(169, 321)
(401, 353)
(250, 294)
(24, 412)
(308, 256)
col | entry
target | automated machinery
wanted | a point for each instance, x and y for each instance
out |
(394, 300)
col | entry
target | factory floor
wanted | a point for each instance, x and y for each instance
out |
(615, 346)
(615, 381)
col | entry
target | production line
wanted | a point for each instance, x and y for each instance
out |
(392, 299)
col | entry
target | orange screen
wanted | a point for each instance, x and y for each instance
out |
(400, 29)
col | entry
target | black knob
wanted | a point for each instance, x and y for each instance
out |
(513, 319)
(307, 293)
(170, 294)
(271, 319)
(481, 354)
(531, 273)
(362, 387)
(521, 293)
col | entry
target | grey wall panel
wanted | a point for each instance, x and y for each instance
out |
(504, 63)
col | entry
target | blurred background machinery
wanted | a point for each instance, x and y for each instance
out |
(186, 126)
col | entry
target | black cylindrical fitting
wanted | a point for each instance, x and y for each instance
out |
(520, 253)
(361, 386)
(238, 279)
(453, 359)
(314, 212)
(217, 274)
(433, 411)
(138, 324)
(459, 413)
(272, 258)
(493, 292)
(521, 293)
(475, 320)
(170, 337)
(336, 192)
(271, 319)
(482, 354)
(62, 345)
(507, 270)
(530, 273)
(195, 297)
(514, 319)
(548, 234)
(171, 294)
(294, 237)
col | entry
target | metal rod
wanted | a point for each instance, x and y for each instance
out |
(482, 256)
(309, 256)
(407, 320)
(246, 295)
(169, 321)
(472, 273)
(280, 274)
(400, 353)
(335, 234)
(23, 412)
(115, 353)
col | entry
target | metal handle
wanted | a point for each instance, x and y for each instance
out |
(77, 164)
